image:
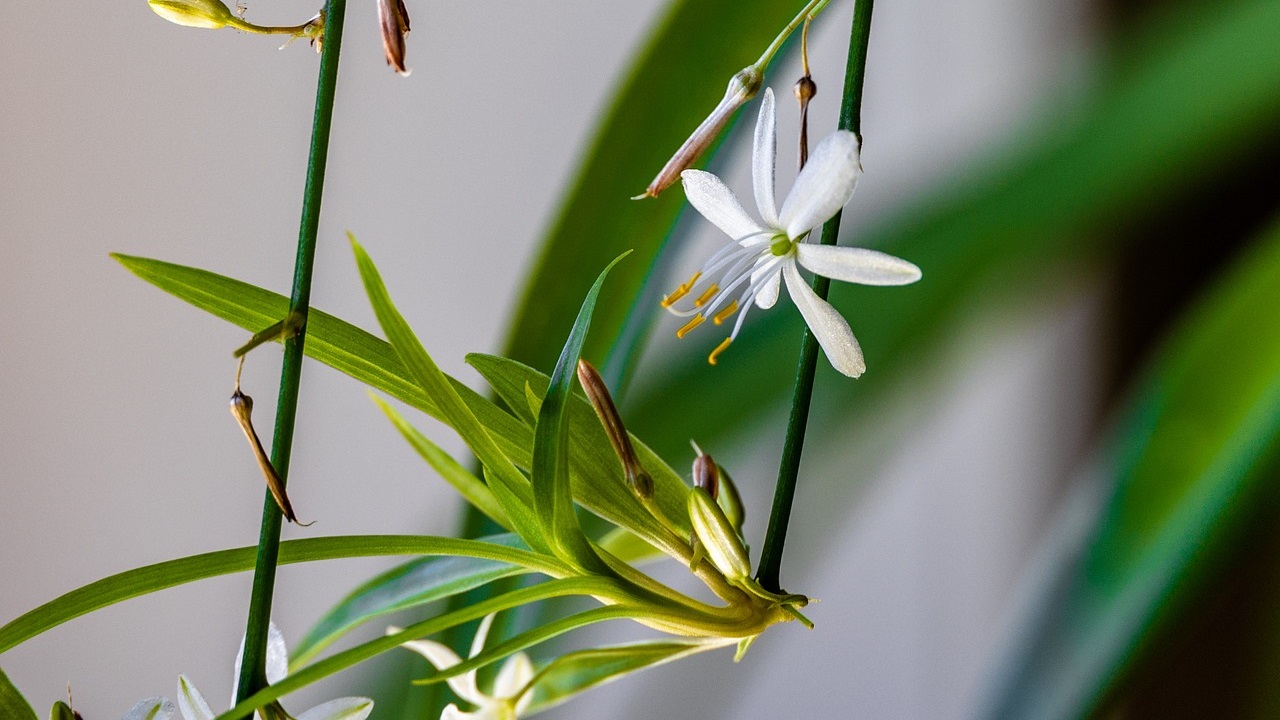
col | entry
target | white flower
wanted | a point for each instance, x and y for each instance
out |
(505, 702)
(192, 704)
(751, 268)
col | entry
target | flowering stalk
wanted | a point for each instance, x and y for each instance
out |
(253, 668)
(784, 493)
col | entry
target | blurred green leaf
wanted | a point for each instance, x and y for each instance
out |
(12, 705)
(1192, 101)
(508, 484)
(552, 494)
(1191, 460)
(575, 672)
(673, 84)
(468, 486)
(150, 578)
(412, 584)
(60, 711)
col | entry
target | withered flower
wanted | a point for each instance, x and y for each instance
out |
(393, 19)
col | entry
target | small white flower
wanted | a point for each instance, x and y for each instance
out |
(751, 269)
(502, 703)
(192, 704)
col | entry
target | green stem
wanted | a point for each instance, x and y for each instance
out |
(810, 10)
(252, 674)
(785, 491)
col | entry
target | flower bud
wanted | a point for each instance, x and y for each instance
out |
(742, 87)
(731, 502)
(716, 536)
(706, 475)
(210, 14)
(393, 20)
(598, 393)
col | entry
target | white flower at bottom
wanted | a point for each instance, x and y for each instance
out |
(192, 705)
(502, 703)
(751, 269)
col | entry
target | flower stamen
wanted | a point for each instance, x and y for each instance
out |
(680, 291)
(725, 314)
(706, 296)
(724, 345)
(689, 326)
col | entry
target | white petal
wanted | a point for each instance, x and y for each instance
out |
(768, 294)
(718, 204)
(277, 655)
(828, 326)
(824, 185)
(156, 708)
(191, 702)
(856, 265)
(443, 658)
(347, 708)
(514, 675)
(482, 634)
(277, 658)
(451, 712)
(763, 160)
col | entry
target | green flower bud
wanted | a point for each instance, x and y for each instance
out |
(210, 14)
(716, 536)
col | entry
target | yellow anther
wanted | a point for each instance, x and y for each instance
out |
(706, 296)
(680, 291)
(725, 314)
(695, 322)
(719, 349)
(675, 296)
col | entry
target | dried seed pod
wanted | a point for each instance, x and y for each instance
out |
(242, 410)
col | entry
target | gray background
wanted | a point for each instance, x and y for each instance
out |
(125, 133)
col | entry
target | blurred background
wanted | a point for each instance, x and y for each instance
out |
(1050, 496)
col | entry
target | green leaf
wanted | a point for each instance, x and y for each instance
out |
(60, 711)
(374, 362)
(564, 587)
(1131, 143)
(12, 704)
(595, 469)
(149, 579)
(468, 486)
(550, 473)
(510, 487)
(675, 82)
(412, 584)
(575, 672)
(1198, 450)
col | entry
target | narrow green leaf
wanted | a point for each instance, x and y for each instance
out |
(595, 469)
(374, 362)
(1197, 451)
(12, 705)
(575, 672)
(468, 486)
(565, 587)
(150, 578)
(550, 473)
(529, 638)
(412, 584)
(510, 486)
(628, 547)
